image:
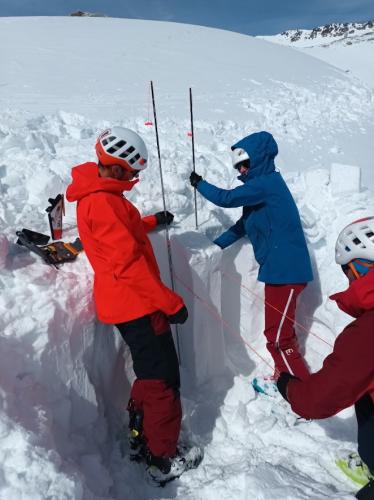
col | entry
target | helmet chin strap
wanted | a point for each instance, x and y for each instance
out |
(355, 266)
(356, 274)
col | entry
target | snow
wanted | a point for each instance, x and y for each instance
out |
(351, 51)
(339, 183)
(65, 378)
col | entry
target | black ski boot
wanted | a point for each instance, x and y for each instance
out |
(367, 492)
(161, 470)
(136, 439)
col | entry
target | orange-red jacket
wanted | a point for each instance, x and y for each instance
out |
(348, 372)
(127, 281)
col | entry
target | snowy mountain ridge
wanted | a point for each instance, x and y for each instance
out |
(346, 33)
(348, 46)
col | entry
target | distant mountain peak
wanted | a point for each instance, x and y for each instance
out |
(329, 31)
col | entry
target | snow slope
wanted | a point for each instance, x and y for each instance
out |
(348, 46)
(65, 378)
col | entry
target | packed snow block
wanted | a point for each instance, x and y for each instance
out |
(222, 316)
(345, 178)
(243, 308)
(197, 279)
(316, 178)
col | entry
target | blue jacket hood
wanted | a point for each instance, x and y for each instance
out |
(262, 149)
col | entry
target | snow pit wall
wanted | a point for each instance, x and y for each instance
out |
(222, 315)
(70, 389)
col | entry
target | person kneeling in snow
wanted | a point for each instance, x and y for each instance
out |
(129, 293)
(271, 221)
(347, 375)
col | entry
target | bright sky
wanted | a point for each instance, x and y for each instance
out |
(245, 16)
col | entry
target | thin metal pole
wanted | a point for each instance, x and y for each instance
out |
(164, 204)
(193, 156)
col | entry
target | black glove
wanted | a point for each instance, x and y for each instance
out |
(164, 218)
(195, 179)
(179, 317)
(282, 382)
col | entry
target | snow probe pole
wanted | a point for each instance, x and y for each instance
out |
(193, 156)
(164, 204)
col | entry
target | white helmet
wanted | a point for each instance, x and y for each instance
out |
(238, 156)
(121, 146)
(356, 241)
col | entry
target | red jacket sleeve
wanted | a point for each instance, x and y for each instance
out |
(128, 256)
(346, 375)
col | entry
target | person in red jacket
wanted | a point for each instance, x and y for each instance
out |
(129, 293)
(347, 375)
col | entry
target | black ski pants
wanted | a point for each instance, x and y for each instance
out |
(152, 348)
(365, 420)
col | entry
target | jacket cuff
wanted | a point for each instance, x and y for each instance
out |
(149, 222)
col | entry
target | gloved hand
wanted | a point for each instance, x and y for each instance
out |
(282, 383)
(163, 218)
(179, 317)
(195, 179)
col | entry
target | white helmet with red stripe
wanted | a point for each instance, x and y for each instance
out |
(122, 146)
(356, 241)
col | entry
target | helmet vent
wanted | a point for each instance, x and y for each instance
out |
(120, 145)
(126, 153)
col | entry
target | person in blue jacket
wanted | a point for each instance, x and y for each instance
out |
(271, 221)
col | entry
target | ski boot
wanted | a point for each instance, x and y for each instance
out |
(161, 470)
(136, 439)
(267, 386)
(367, 492)
(355, 469)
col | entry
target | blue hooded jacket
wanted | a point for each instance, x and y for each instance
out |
(270, 217)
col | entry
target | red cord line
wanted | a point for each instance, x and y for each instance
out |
(219, 317)
(276, 309)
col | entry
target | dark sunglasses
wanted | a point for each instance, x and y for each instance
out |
(244, 163)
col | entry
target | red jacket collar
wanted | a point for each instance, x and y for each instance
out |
(86, 180)
(359, 296)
